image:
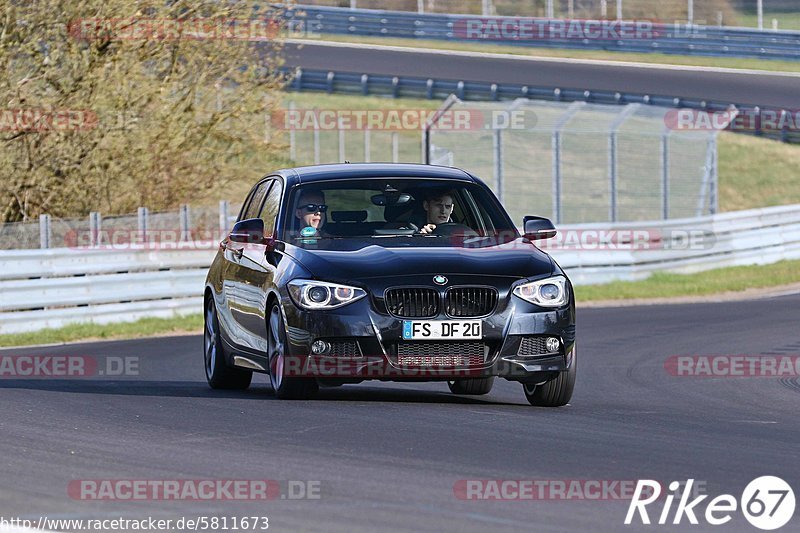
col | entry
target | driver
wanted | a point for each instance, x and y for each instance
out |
(438, 208)
(310, 211)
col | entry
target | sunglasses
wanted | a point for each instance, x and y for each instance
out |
(313, 208)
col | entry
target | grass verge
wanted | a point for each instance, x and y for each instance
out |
(605, 55)
(756, 172)
(721, 280)
(661, 285)
(146, 327)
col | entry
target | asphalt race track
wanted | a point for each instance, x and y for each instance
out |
(767, 90)
(388, 455)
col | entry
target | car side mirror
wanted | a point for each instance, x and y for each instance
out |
(537, 228)
(250, 231)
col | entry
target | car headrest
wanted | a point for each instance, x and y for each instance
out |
(349, 216)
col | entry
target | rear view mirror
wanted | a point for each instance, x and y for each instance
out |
(250, 231)
(391, 199)
(537, 228)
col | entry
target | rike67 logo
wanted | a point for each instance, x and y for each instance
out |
(767, 503)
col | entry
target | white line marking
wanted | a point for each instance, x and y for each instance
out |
(491, 55)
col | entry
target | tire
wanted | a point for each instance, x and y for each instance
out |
(556, 392)
(218, 374)
(285, 387)
(471, 386)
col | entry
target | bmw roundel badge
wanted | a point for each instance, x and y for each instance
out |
(439, 279)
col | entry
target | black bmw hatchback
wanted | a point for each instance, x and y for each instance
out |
(337, 274)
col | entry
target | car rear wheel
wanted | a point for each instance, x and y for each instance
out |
(556, 392)
(471, 386)
(218, 374)
(285, 387)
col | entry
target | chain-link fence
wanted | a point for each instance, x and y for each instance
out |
(581, 162)
(202, 226)
(775, 14)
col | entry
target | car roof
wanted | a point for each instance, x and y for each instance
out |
(338, 171)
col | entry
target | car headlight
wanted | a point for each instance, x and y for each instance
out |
(549, 292)
(310, 294)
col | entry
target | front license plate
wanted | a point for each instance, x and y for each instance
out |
(442, 329)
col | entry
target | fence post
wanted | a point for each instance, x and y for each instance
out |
(604, 9)
(760, 7)
(94, 228)
(395, 147)
(714, 184)
(612, 175)
(223, 218)
(557, 176)
(665, 174)
(690, 12)
(292, 133)
(185, 222)
(142, 215)
(550, 12)
(613, 157)
(45, 232)
(497, 150)
(342, 155)
(619, 9)
(316, 141)
(420, 6)
(573, 108)
(367, 145)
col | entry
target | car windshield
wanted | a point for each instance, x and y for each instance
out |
(394, 212)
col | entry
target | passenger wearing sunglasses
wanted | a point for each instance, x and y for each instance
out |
(311, 210)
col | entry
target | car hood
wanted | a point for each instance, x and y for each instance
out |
(342, 261)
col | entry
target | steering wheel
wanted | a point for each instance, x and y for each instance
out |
(454, 228)
(398, 228)
(402, 226)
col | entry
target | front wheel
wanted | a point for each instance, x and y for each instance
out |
(218, 374)
(285, 387)
(556, 392)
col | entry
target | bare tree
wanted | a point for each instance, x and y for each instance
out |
(110, 104)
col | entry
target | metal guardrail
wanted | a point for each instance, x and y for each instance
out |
(47, 288)
(667, 38)
(430, 88)
(757, 236)
(56, 287)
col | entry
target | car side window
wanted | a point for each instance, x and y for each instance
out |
(272, 205)
(257, 198)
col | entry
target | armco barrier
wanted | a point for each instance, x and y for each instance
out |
(430, 88)
(52, 288)
(55, 287)
(667, 38)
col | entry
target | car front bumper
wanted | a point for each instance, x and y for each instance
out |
(368, 344)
